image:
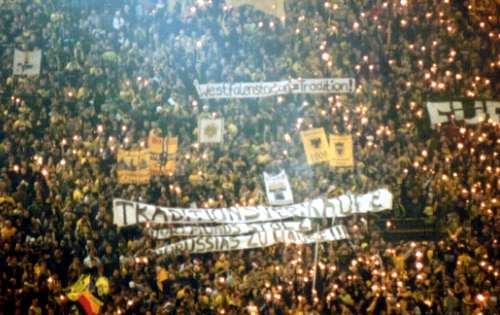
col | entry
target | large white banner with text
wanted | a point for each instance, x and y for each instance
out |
(265, 89)
(127, 212)
(263, 239)
(443, 112)
(229, 229)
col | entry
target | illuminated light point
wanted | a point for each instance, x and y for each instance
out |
(480, 298)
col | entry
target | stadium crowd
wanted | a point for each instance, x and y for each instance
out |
(115, 70)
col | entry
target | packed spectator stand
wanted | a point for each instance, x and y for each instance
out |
(112, 71)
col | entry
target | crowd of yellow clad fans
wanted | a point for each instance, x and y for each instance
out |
(113, 71)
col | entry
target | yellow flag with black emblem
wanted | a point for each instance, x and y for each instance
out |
(341, 151)
(315, 146)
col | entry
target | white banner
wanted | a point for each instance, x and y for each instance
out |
(199, 245)
(230, 229)
(127, 212)
(210, 130)
(278, 189)
(265, 89)
(27, 62)
(443, 112)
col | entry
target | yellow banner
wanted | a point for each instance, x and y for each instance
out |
(315, 146)
(155, 147)
(341, 151)
(172, 145)
(133, 166)
(137, 166)
(272, 7)
(162, 154)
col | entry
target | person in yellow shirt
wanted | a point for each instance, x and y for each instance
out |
(161, 276)
(102, 285)
(8, 231)
(34, 308)
(464, 261)
(399, 261)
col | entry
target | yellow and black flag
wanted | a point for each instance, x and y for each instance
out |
(315, 146)
(162, 154)
(341, 151)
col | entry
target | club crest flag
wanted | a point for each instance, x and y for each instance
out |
(341, 151)
(272, 7)
(278, 189)
(316, 146)
(210, 130)
(162, 154)
(133, 166)
(27, 62)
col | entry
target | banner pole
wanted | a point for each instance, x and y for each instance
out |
(316, 254)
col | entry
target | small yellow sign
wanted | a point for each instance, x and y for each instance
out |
(341, 151)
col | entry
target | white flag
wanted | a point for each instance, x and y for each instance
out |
(27, 62)
(278, 189)
(210, 130)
